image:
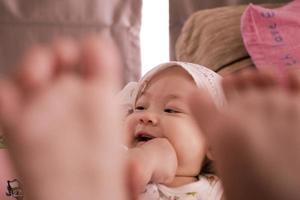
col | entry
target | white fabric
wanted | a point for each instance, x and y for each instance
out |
(125, 97)
(207, 188)
(203, 77)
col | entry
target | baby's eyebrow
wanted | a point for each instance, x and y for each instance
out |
(145, 94)
(173, 96)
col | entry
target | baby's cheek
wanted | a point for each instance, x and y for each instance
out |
(190, 162)
(130, 124)
(128, 131)
(190, 146)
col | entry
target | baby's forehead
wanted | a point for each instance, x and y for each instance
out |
(167, 96)
(171, 74)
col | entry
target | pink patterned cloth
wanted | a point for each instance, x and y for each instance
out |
(272, 36)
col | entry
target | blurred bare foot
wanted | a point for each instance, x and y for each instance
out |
(61, 121)
(255, 138)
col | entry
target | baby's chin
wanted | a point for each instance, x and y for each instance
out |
(182, 180)
(184, 171)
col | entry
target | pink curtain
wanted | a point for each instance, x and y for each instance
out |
(23, 23)
(180, 10)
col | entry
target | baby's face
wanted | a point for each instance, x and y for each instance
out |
(163, 111)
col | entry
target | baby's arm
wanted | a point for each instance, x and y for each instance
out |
(154, 161)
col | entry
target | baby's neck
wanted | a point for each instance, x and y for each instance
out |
(181, 180)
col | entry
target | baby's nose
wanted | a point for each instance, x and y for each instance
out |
(149, 118)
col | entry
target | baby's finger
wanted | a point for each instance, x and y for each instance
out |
(133, 185)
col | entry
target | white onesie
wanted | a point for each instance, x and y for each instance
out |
(208, 187)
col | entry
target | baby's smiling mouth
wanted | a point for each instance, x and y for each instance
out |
(143, 137)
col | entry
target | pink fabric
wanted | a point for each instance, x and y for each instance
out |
(6, 173)
(272, 36)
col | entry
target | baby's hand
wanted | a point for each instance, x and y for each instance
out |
(154, 161)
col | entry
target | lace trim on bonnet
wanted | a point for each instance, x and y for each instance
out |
(203, 77)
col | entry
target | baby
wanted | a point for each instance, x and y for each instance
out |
(166, 144)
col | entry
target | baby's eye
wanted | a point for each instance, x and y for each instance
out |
(140, 108)
(170, 110)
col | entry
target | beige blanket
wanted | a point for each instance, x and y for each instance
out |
(212, 38)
